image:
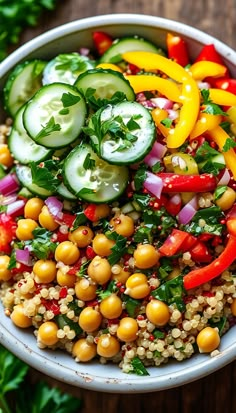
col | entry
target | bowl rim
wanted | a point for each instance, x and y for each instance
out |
(43, 360)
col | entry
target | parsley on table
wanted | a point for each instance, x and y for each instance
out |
(16, 396)
(209, 106)
(16, 15)
(50, 127)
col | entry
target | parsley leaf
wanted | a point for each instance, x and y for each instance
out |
(43, 175)
(171, 291)
(68, 99)
(50, 127)
(140, 177)
(138, 367)
(204, 152)
(88, 162)
(210, 107)
(112, 288)
(119, 249)
(229, 143)
(167, 122)
(41, 245)
(132, 305)
(73, 62)
(220, 190)
(97, 103)
(157, 167)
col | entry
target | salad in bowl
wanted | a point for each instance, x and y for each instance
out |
(118, 213)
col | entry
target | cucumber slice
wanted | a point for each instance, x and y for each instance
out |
(128, 44)
(104, 83)
(24, 175)
(92, 179)
(54, 117)
(66, 68)
(123, 133)
(22, 84)
(22, 147)
(64, 192)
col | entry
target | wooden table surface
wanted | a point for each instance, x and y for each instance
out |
(215, 393)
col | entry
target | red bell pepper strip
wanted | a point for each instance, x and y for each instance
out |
(90, 212)
(200, 276)
(177, 49)
(226, 84)
(209, 53)
(187, 183)
(102, 42)
(173, 243)
(7, 232)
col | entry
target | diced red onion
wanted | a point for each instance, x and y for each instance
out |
(153, 184)
(175, 199)
(172, 114)
(140, 97)
(55, 207)
(203, 85)
(150, 160)
(159, 150)
(84, 51)
(225, 178)
(147, 104)
(188, 211)
(162, 103)
(23, 256)
(9, 184)
(16, 207)
(6, 200)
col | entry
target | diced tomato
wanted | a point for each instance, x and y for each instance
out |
(102, 42)
(173, 207)
(76, 267)
(90, 212)
(90, 253)
(20, 268)
(173, 242)
(200, 253)
(68, 219)
(210, 53)
(7, 232)
(188, 243)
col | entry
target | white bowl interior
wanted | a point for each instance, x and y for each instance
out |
(61, 366)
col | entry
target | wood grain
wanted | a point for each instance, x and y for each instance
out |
(215, 393)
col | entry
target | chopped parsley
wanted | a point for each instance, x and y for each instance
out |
(138, 367)
(97, 103)
(68, 99)
(209, 106)
(167, 122)
(88, 162)
(50, 127)
(140, 177)
(171, 292)
(44, 175)
(41, 245)
(229, 143)
(119, 249)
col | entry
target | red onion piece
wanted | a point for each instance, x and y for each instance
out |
(84, 51)
(156, 154)
(176, 199)
(172, 114)
(55, 207)
(188, 211)
(224, 180)
(16, 208)
(6, 200)
(9, 184)
(23, 256)
(153, 184)
(162, 103)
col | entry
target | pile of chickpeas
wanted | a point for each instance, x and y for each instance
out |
(53, 274)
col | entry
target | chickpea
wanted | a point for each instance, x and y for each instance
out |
(128, 329)
(107, 346)
(84, 290)
(19, 318)
(99, 270)
(33, 208)
(47, 333)
(81, 236)
(89, 319)
(5, 274)
(208, 340)
(67, 252)
(227, 200)
(102, 245)
(146, 256)
(233, 307)
(46, 219)
(111, 307)
(25, 228)
(137, 286)
(5, 156)
(66, 280)
(45, 271)
(123, 225)
(119, 274)
(158, 312)
(102, 211)
(84, 351)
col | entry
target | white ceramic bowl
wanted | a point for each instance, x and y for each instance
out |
(61, 366)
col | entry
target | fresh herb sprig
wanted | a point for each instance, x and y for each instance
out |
(16, 15)
(16, 396)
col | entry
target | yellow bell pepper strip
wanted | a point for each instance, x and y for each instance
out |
(222, 97)
(158, 115)
(219, 136)
(205, 123)
(197, 277)
(141, 83)
(190, 95)
(110, 66)
(201, 70)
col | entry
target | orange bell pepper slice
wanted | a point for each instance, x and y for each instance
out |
(202, 69)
